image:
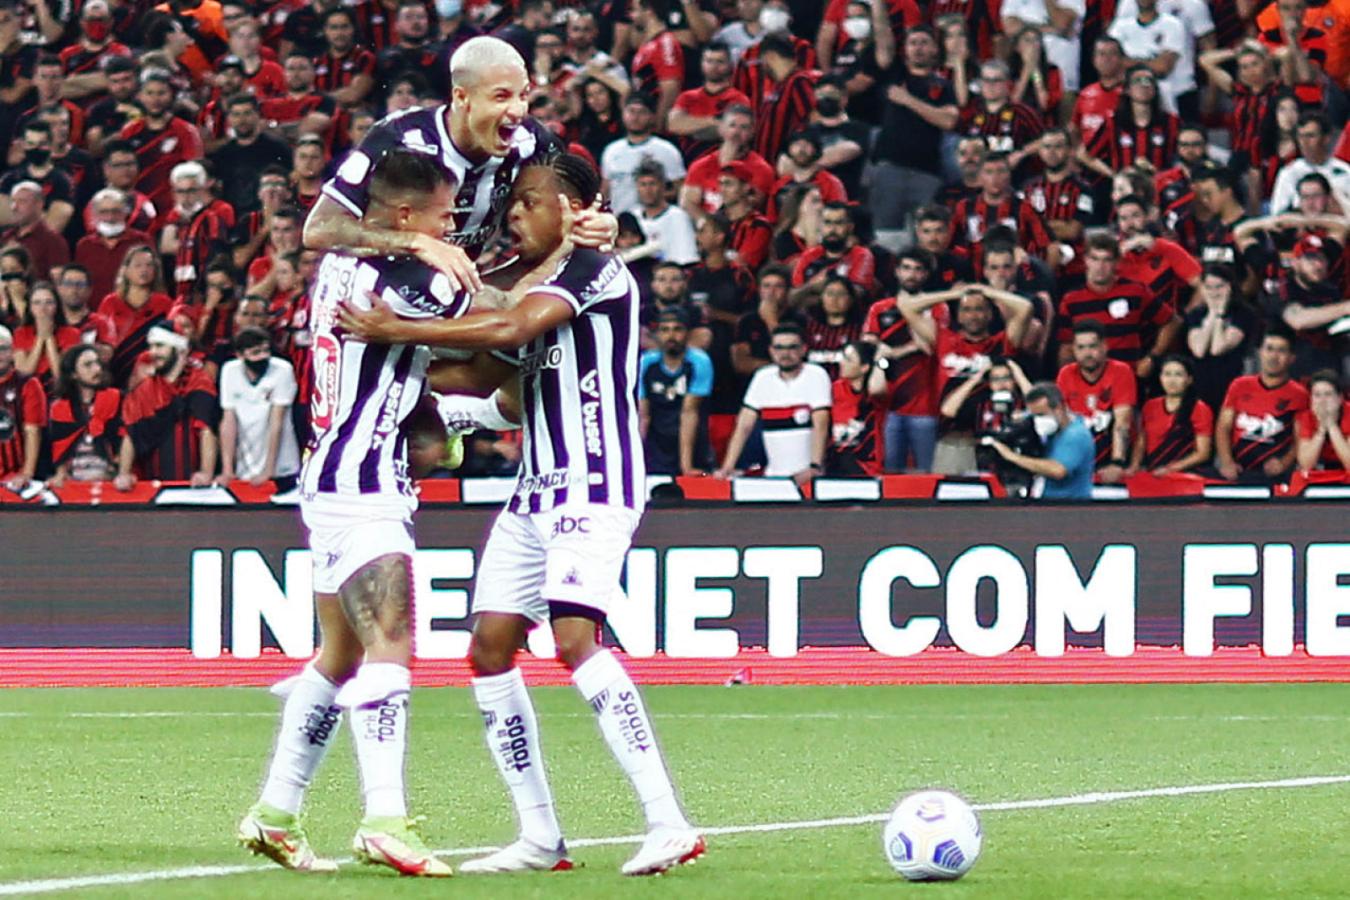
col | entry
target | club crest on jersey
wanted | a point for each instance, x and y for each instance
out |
(1118, 308)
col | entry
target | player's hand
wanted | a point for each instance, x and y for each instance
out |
(803, 478)
(1000, 448)
(1229, 470)
(449, 259)
(725, 473)
(124, 482)
(377, 325)
(260, 479)
(200, 479)
(224, 479)
(592, 226)
(18, 483)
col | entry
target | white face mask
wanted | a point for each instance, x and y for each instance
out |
(773, 19)
(448, 9)
(1045, 426)
(858, 28)
(110, 229)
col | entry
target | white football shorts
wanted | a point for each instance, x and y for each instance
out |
(347, 532)
(572, 554)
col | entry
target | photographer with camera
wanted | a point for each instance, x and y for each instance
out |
(1069, 450)
(1001, 414)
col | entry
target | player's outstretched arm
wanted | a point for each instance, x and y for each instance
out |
(331, 227)
(503, 329)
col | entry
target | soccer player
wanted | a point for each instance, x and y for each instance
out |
(555, 553)
(357, 503)
(482, 138)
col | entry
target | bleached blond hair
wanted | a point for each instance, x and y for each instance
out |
(476, 55)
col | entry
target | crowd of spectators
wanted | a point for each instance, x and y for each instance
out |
(863, 230)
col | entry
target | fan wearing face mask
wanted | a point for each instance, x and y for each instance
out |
(1066, 467)
(101, 251)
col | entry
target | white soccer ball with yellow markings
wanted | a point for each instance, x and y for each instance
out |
(932, 836)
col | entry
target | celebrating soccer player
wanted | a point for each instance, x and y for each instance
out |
(556, 552)
(357, 502)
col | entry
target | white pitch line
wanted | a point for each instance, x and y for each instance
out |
(54, 885)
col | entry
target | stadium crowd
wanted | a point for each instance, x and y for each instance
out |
(863, 230)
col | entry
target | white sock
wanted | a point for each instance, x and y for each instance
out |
(309, 722)
(513, 742)
(463, 413)
(378, 700)
(628, 730)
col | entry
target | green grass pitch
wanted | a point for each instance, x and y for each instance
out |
(91, 792)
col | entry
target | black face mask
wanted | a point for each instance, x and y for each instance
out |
(12, 276)
(829, 106)
(37, 156)
(257, 367)
(834, 245)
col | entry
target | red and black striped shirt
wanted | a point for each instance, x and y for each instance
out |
(1119, 142)
(972, 219)
(165, 433)
(333, 73)
(158, 152)
(22, 402)
(79, 60)
(1125, 310)
(783, 109)
(1013, 126)
(1263, 418)
(855, 432)
(1249, 112)
(751, 238)
(1168, 439)
(1067, 200)
(825, 342)
(1314, 43)
(101, 422)
(207, 235)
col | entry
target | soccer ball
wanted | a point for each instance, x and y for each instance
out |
(932, 836)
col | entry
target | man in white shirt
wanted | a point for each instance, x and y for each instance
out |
(620, 160)
(1158, 41)
(1061, 24)
(792, 399)
(257, 439)
(667, 227)
(1314, 146)
(745, 31)
(1200, 36)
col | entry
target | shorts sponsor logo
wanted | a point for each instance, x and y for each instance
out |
(512, 744)
(572, 578)
(600, 700)
(570, 525)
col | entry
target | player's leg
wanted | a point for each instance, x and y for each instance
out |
(627, 729)
(376, 600)
(506, 600)
(310, 720)
(586, 552)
